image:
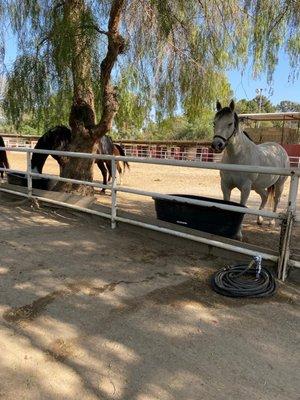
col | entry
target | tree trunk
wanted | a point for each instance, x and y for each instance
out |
(85, 133)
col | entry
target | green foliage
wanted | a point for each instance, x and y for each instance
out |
(135, 105)
(288, 106)
(275, 25)
(21, 99)
(180, 128)
(177, 53)
(244, 106)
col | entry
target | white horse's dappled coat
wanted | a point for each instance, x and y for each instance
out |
(239, 149)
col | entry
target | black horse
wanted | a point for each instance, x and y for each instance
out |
(3, 157)
(59, 138)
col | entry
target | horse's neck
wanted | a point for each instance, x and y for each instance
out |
(240, 146)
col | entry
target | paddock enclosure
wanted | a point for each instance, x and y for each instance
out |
(91, 312)
(128, 204)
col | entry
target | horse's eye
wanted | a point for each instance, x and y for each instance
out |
(230, 124)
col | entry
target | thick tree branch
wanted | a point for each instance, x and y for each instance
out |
(96, 28)
(115, 46)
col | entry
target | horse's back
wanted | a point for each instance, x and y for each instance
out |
(55, 138)
(272, 154)
(267, 154)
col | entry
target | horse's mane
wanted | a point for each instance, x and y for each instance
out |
(248, 136)
(54, 139)
(58, 137)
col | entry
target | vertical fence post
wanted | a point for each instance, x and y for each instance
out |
(29, 177)
(113, 194)
(286, 229)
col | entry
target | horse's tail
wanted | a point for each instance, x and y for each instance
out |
(122, 153)
(4, 159)
(271, 196)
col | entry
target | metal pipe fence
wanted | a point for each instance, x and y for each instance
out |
(287, 217)
(198, 152)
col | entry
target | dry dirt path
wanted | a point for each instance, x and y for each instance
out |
(90, 313)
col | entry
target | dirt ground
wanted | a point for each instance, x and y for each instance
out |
(90, 313)
(165, 179)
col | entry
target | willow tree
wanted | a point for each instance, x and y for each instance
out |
(176, 52)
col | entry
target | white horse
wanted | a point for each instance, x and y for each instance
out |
(240, 149)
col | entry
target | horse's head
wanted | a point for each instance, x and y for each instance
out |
(225, 126)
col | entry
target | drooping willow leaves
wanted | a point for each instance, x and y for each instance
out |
(177, 53)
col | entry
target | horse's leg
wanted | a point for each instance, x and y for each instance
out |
(264, 198)
(245, 193)
(226, 190)
(60, 169)
(109, 169)
(120, 172)
(278, 189)
(226, 196)
(103, 170)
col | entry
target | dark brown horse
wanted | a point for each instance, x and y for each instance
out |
(112, 149)
(59, 138)
(3, 157)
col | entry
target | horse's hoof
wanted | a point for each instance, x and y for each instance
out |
(260, 220)
(239, 236)
(102, 192)
(272, 222)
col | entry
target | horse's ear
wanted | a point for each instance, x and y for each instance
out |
(219, 106)
(231, 105)
(236, 120)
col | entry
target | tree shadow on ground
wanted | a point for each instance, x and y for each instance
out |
(90, 313)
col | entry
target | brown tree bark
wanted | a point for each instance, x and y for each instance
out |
(85, 133)
(115, 46)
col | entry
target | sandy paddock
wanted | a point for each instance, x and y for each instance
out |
(89, 313)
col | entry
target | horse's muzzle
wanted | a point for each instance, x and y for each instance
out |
(218, 145)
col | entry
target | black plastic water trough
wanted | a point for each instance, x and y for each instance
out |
(207, 219)
(37, 183)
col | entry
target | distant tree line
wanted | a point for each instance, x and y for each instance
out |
(134, 119)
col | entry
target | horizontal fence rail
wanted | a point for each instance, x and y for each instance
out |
(174, 150)
(179, 163)
(289, 215)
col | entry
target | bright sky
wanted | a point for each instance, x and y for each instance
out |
(243, 84)
(282, 88)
